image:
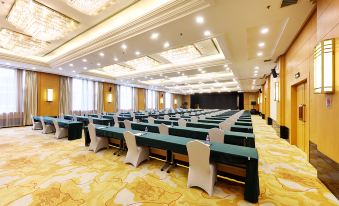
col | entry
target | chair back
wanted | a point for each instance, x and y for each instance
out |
(166, 117)
(128, 124)
(130, 141)
(225, 125)
(163, 129)
(216, 135)
(43, 123)
(198, 155)
(74, 118)
(194, 119)
(92, 133)
(182, 122)
(177, 115)
(150, 120)
(186, 114)
(62, 116)
(32, 118)
(56, 125)
(116, 120)
(90, 120)
(202, 117)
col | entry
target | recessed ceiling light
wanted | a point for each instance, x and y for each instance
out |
(226, 65)
(73, 71)
(203, 72)
(124, 46)
(160, 75)
(60, 68)
(84, 60)
(71, 65)
(256, 71)
(98, 64)
(183, 74)
(207, 33)
(199, 69)
(101, 54)
(85, 68)
(154, 35)
(116, 59)
(178, 72)
(264, 30)
(8, 63)
(259, 54)
(137, 53)
(261, 44)
(33, 68)
(256, 67)
(199, 19)
(166, 45)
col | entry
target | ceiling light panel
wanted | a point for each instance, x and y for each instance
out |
(181, 54)
(116, 70)
(143, 63)
(40, 21)
(91, 7)
(206, 47)
(21, 43)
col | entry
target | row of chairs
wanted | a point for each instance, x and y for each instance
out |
(47, 128)
(198, 154)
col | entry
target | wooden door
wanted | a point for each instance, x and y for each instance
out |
(301, 116)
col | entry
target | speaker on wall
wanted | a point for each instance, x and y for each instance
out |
(274, 73)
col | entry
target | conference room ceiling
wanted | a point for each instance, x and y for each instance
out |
(192, 46)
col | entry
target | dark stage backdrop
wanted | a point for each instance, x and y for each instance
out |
(225, 100)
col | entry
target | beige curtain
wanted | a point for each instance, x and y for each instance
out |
(100, 97)
(157, 102)
(65, 100)
(135, 97)
(31, 97)
(116, 97)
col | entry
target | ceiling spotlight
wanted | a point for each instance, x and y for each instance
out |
(199, 19)
(84, 60)
(178, 72)
(166, 45)
(226, 65)
(160, 75)
(261, 44)
(124, 46)
(85, 68)
(98, 64)
(256, 67)
(71, 65)
(73, 71)
(264, 30)
(60, 68)
(137, 53)
(33, 68)
(101, 54)
(207, 33)
(183, 74)
(199, 69)
(154, 35)
(116, 59)
(259, 54)
(203, 72)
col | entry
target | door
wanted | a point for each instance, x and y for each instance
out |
(300, 111)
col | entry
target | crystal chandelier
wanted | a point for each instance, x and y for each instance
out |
(181, 54)
(143, 63)
(21, 43)
(116, 70)
(90, 7)
(40, 21)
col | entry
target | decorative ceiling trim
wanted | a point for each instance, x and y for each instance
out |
(159, 17)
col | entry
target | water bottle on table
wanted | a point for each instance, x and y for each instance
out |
(208, 139)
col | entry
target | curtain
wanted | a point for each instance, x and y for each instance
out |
(168, 100)
(65, 100)
(100, 97)
(135, 99)
(116, 97)
(11, 97)
(84, 96)
(30, 97)
(126, 100)
(157, 106)
(151, 99)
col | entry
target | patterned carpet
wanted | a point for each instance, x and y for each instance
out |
(36, 169)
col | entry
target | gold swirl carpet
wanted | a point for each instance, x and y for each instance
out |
(36, 169)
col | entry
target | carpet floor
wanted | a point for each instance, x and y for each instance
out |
(37, 169)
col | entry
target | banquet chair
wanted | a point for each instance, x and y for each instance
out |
(194, 119)
(216, 135)
(59, 131)
(166, 117)
(36, 125)
(97, 143)
(90, 120)
(182, 122)
(150, 120)
(135, 154)
(177, 115)
(201, 172)
(163, 129)
(46, 128)
(128, 124)
(116, 121)
(225, 125)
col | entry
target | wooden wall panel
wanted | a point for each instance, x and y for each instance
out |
(141, 99)
(248, 97)
(109, 106)
(161, 95)
(48, 81)
(186, 98)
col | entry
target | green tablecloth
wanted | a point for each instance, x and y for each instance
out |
(84, 119)
(210, 121)
(220, 153)
(74, 127)
(235, 138)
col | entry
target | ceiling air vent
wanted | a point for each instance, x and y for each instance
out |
(285, 3)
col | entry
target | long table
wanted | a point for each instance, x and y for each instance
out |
(74, 127)
(220, 153)
(235, 128)
(230, 137)
(84, 119)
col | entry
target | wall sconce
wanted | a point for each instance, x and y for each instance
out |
(49, 95)
(109, 98)
(276, 91)
(324, 67)
(161, 100)
(175, 101)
